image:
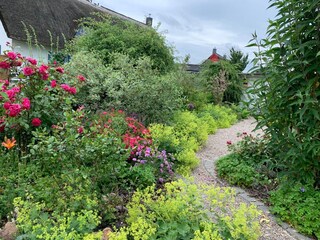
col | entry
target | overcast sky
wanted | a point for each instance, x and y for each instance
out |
(195, 27)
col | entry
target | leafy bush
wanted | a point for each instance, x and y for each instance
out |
(299, 205)
(250, 163)
(177, 212)
(237, 171)
(127, 84)
(107, 35)
(287, 104)
(32, 96)
(224, 116)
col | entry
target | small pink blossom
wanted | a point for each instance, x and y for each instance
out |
(14, 110)
(81, 78)
(26, 103)
(67, 88)
(53, 83)
(31, 60)
(27, 71)
(60, 69)
(6, 105)
(80, 130)
(4, 65)
(36, 122)
(12, 55)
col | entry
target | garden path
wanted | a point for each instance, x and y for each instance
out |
(215, 148)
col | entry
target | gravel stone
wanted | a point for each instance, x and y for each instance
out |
(215, 148)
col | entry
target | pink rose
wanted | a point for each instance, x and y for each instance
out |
(26, 103)
(36, 122)
(27, 71)
(31, 60)
(14, 110)
(80, 130)
(43, 69)
(73, 90)
(12, 55)
(53, 83)
(67, 88)
(6, 105)
(4, 65)
(60, 69)
(81, 78)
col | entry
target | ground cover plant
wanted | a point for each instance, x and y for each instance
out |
(288, 109)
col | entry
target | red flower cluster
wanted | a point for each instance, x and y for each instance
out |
(67, 88)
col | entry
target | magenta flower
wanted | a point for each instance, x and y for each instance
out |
(12, 55)
(26, 103)
(4, 65)
(81, 78)
(14, 110)
(27, 71)
(53, 83)
(229, 142)
(36, 122)
(60, 69)
(31, 60)
(6, 105)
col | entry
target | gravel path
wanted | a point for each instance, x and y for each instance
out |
(216, 147)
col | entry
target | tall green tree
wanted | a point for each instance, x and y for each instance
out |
(106, 35)
(289, 94)
(239, 59)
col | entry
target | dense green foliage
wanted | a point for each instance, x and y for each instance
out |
(189, 131)
(288, 101)
(288, 109)
(177, 212)
(299, 205)
(238, 59)
(250, 164)
(128, 84)
(222, 81)
(107, 35)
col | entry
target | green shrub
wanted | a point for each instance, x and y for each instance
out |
(236, 171)
(298, 205)
(177, 212)
(127, 84)
(288, 93)
(250, 163)
(224, 116)
(36, 221)
(107, 35)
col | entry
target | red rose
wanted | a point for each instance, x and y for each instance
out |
(81, 78)
(12, 55)
(32, 60)
(4, 65)
(36, 122)
(27, 71)
(26, 103)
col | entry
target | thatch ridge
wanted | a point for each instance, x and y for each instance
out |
(57, 16)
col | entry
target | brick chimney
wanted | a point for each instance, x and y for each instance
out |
(149, 20)
(214, 51)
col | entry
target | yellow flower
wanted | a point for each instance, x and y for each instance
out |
(9, 143)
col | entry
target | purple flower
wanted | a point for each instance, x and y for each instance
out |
(143, 161)
(302, 189)
(161, 180)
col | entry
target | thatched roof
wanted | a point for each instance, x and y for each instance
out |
(57, 16)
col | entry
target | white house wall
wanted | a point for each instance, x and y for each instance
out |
(39, 53)
(3, 39)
